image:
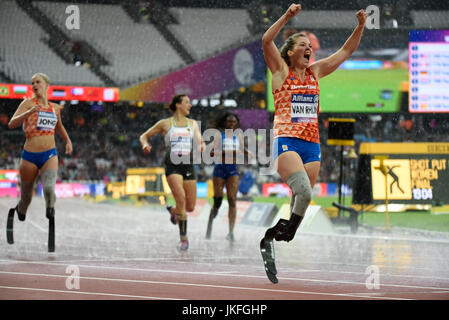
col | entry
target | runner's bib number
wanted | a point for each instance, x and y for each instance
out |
(304, 108)
(180, 141)
(46, 120)
(230, 144)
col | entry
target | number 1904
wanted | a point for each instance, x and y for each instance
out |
(422, 194)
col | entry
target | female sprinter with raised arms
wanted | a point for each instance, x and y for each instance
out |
(296, 147)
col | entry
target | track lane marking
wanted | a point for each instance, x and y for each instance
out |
(203, 285)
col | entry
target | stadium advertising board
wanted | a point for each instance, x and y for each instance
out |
(8, 183)
(67, 93)
(320, 189)
(73, 190)
(239, 67)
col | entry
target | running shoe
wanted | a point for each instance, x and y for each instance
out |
(183, 245)
(172, 215)
(230, 237)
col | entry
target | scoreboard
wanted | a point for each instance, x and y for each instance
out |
(429, 71)
(417, 173)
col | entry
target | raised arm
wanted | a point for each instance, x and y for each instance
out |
(271, 53)
(325, 66)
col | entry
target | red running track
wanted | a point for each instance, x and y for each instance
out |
(114, 252)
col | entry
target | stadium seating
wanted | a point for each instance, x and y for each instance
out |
(325, 19)
(206, 32)
(134, 50)
(137, 51)
(430, 19)
(25, 52)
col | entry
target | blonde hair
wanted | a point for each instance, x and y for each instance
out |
(43, 76)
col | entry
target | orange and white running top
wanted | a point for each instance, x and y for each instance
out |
(40, 123)
(297, 107)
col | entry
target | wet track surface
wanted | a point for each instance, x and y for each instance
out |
(123, 252)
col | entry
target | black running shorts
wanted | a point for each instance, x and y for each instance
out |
(186, 170)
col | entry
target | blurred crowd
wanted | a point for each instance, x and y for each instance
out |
(105, 139)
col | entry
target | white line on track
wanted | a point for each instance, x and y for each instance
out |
(396, 293)
(34, 224)
(241, 276)
(378, 237)
(88, 293)
(180, 260)
(358, 265)
(208, 286)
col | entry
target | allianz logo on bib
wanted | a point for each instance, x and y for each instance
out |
(307, 98)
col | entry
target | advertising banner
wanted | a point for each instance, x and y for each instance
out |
(231, 70)
(67, 93)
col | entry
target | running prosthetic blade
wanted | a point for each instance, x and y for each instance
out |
(10, 226)
(209, 226)
(212, 215)
(267, 251)
(51, 234)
